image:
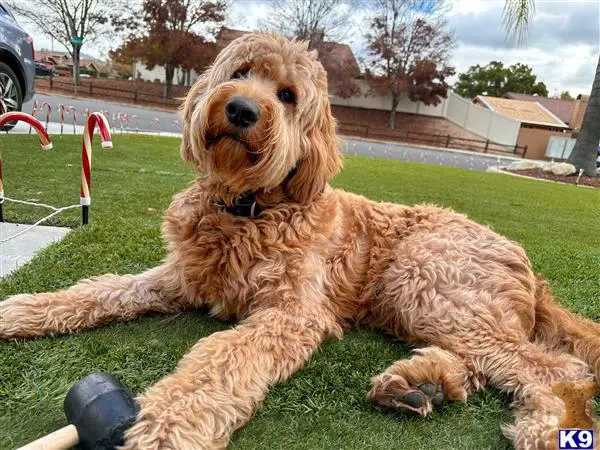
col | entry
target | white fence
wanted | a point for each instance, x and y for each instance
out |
(477, 119)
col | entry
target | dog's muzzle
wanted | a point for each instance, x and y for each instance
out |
(242, 112)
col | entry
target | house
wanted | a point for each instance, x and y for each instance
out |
(63, 59)
(569, 111)
(538, 123)
(336, 58)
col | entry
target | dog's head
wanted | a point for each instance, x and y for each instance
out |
(259, 120)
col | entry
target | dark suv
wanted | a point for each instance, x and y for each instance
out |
(17, 63)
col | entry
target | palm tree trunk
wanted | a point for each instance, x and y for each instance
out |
(585, 151)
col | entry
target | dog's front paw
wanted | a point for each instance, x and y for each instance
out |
(172, 419)
(393, 392)
(19, 317)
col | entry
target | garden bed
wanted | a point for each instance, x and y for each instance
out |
(569, 179)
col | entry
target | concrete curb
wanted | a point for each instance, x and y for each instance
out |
(502, 170)
(431, 147)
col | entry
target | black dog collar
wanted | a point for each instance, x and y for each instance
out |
(245, 206)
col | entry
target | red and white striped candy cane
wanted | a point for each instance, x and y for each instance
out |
(101, 121)
(34, 109)
(156, 122)
(3, 109)
(123, 119)
(137, 123)
(73, 112)
(61, 108)
(48, 112)
(45, 141)
(176, 125)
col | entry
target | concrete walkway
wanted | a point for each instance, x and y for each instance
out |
(18, 251)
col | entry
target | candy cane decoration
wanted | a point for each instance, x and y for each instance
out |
(101, 121)
(176, 125)
(137, 123)
(48, 112)
(34, 109)
(156, 122)
(45, 141)
(61, 108)
(3, 109)
(73, 112)
(123, 119)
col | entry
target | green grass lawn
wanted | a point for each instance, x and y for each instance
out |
(321, 407)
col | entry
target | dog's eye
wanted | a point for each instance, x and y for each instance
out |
(238, 74)
(286, 95)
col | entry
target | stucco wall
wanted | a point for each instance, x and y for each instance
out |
(537, 141)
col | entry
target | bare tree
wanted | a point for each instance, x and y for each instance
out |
(311, 20)
(73, 23)
(322, 23)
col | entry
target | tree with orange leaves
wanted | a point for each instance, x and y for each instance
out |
(408, 51)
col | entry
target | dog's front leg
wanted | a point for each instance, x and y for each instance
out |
(90, 302)
(222, 380)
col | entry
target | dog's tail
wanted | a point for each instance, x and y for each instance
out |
(559, 329)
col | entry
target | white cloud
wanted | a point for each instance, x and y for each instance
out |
(562, 47)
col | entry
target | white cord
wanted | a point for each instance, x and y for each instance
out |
(43, 219)
(25, 202)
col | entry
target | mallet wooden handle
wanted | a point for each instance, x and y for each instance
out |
(62, 439)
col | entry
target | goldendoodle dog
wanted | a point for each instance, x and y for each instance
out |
(262, 238)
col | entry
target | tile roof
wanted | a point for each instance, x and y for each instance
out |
(522, 110)
(563, 109)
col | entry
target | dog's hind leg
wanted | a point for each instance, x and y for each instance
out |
(537, 416)
(89, 303)
(423, 381)
(528, 371)
(559, 329)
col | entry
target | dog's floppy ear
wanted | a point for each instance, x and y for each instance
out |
(186, 110)
(320, 158)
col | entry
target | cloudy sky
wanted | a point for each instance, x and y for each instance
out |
(563, 45)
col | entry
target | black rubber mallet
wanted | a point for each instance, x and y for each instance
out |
(99, 410)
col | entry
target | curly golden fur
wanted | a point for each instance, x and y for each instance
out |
(314, 262)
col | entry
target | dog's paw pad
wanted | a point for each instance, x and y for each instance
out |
(428, 389)
(438, 398)
(414, 399)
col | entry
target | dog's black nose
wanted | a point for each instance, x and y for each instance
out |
(242, 112)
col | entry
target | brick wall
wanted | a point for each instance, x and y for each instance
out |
(134, 92)
(404, 121)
